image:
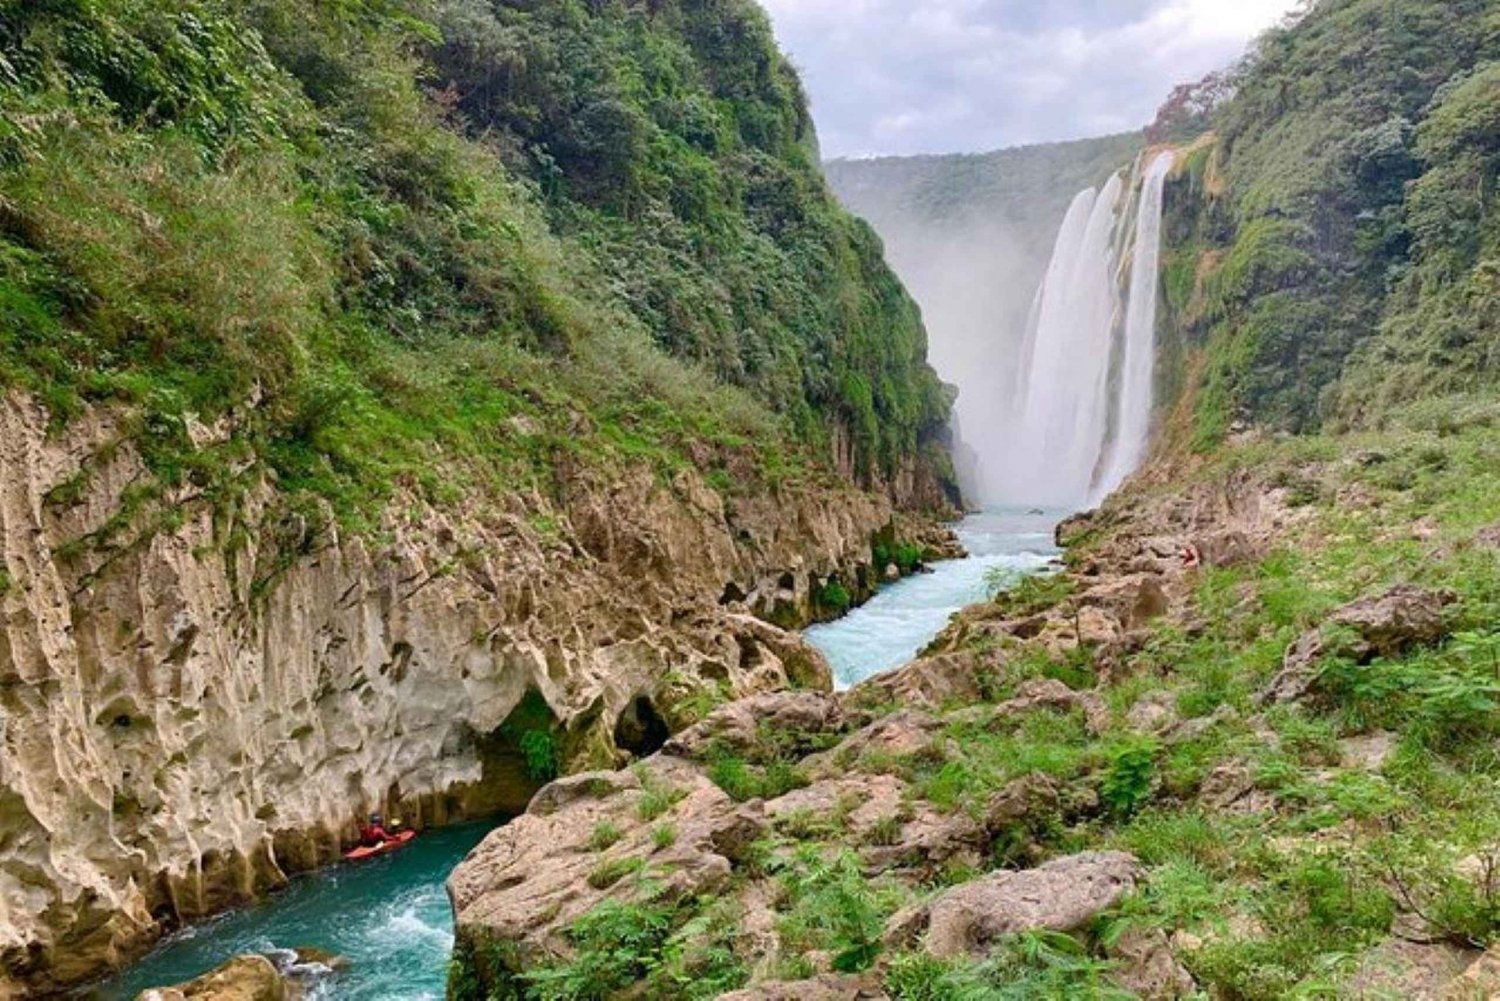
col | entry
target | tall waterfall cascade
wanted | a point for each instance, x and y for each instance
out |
(1080, 412)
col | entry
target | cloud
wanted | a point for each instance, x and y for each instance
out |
(937, 76)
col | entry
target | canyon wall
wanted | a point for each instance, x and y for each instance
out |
(192, 715)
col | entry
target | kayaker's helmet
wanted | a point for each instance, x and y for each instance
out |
(375, 820)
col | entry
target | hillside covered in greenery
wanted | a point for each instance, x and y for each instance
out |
(1337, 246)
(449, 244)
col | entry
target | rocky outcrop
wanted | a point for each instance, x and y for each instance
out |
(1382, 626)
(244, 978)
(197, 698)
(531, 879)
(1061, 895)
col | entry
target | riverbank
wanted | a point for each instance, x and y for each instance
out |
(1174, 766)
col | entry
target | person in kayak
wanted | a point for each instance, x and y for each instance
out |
(374, 833)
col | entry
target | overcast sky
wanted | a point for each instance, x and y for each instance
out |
(942, 76)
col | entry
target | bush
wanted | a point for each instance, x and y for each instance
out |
(1127, 784)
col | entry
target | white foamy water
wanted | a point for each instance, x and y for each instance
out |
(1079, 417)
(904, 617)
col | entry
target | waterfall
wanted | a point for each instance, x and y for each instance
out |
(1137, 368)
(1080, 413)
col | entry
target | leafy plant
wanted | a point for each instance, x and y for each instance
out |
(539, 751)
(1127, 782)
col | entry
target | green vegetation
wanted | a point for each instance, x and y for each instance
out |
(440, 248)
(1334, 253)
(832, 598)
(605, 835)
(904, 556)
(530, 732)
(1035, 967)
(649, 946)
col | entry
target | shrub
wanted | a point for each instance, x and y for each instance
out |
(539, 751)
(833, 597)
(1127, 783)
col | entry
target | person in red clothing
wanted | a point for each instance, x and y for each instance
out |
(374, 833)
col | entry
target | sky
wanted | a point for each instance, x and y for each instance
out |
(946, 76)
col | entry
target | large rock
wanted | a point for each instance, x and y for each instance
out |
(531, 879)
(245, 978)
(772, 723)
(1062, 895)
(1049, 693)
(1383, 626)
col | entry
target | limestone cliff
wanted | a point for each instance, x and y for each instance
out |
(188, 717)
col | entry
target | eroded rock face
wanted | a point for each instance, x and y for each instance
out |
(1061, 895)
(189, 715)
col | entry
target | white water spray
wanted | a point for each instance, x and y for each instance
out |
(1137, 368)
(1081, 412)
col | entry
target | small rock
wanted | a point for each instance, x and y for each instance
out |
(1021, 800)
(1367, 752)
(1154, 712)
(1231, 787)
(1148, 968)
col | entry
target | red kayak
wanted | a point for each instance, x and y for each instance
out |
(384, 848)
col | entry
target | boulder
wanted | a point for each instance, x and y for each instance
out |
(244, 978)
(531, 879)
(930, 682)
(925, 842)
(1387, 625)
(1049, 693)
(1062, 895)
(1133, 600)
(905, 733)
(1418, 971)
(1480, 982)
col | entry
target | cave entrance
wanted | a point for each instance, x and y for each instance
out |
(640, 728)
(523, 754)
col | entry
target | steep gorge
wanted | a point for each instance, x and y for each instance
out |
(404, 404)
(188, 721)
